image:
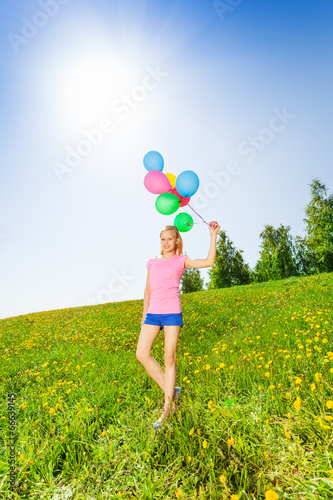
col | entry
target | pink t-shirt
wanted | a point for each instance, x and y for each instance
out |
(165, 276)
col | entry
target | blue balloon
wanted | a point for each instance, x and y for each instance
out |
(187, 183)
(153, 161)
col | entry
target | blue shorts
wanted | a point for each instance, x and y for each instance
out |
(163, 319)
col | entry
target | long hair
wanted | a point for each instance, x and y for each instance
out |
(179, 249)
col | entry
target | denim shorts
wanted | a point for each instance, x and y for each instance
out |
(163, 319)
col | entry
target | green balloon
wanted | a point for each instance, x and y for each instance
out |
(167, 203)
(183, 222)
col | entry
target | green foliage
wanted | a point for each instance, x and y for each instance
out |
(255, 365)
(302, 257)
(191, 281)
(277, 259)
(230, 268)
(319, 229)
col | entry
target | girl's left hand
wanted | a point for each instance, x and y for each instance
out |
(213, 227)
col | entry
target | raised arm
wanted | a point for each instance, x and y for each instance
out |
(199, 263)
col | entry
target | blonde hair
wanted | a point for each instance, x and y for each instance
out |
(179, 249)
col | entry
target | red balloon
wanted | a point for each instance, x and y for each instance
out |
(183, 201)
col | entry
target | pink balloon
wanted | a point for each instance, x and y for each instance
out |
(156, 182)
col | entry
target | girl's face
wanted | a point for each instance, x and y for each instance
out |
(168, 241)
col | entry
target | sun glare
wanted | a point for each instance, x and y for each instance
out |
(89, 84)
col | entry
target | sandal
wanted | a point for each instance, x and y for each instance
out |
(178, 390)
(158, 424)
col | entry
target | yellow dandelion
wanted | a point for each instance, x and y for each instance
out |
(230, 442)
(286, 433)
(178, 493)
(234, 497)
(52, 410)
(191, 431)
(271, 495)
(297, 403)
(223, 479)
(313, 387)
(329, 404)
(204, 444)
(267, 374)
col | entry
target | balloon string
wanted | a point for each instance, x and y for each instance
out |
(197, 214)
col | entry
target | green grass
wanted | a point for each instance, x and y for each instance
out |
(246, 356)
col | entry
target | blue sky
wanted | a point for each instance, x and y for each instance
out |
(243, 98)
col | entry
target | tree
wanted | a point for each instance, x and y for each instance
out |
(319, 229)
(277, 259)
(191, 281)
(230, 268)
(302, 257)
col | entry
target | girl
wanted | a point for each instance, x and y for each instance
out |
(162, 309)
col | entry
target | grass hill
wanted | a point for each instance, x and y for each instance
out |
(255, 364)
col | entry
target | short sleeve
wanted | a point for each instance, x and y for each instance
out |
(182, 261)
(150, 263)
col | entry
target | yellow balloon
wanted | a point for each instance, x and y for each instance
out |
(172, 179)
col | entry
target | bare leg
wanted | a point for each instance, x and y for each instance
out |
(170, 348)
(147, 337)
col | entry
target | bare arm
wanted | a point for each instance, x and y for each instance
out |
(200, 263)
(146, 297)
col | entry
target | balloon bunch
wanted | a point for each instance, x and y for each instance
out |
(174, 192)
